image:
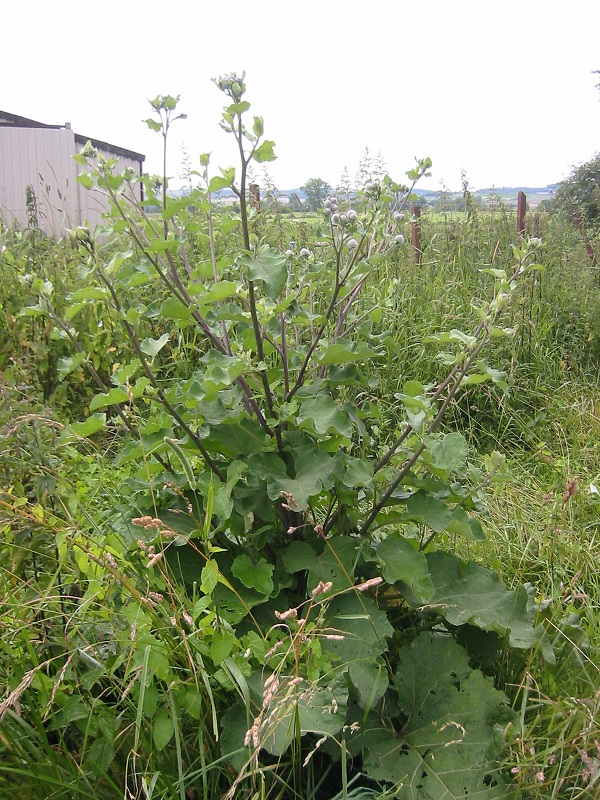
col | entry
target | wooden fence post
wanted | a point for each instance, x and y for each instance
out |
(521, 208)
(581, 228)
(415, 233)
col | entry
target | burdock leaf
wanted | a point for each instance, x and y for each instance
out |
(448, 452)
(270, 268)
(448, 748)
(257, 576)
(324, 416)
(402, 562)
(466, 593)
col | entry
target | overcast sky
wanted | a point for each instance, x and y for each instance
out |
(503, 90)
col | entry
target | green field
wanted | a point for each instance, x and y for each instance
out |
(316, 521)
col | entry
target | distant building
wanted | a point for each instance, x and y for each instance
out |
(37, 170)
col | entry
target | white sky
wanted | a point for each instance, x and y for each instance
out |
(501, 88)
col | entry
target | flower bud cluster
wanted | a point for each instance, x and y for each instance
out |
(331, 209)
(397, 218)
(372, 188)
(233, 85)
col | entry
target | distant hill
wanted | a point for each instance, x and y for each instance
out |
(507, 194)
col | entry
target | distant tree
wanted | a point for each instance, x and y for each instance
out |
(316, 191)
(470, 202)
(445, 200)
(581, 192)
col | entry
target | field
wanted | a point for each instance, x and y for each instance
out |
(315, 520)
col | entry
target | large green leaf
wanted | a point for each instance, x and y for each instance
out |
(89, 293)
(175, 309)
(369, 679)
(217, 292)
(257, 576)
(335, 564)
(221, 371)
(152, 347)
(315, 471)
(65, 366)
(344, 352)
(464, 525)
(364, 629)
(270, 268)
(363, 625)
(422, 507)
(265, 152)
(235, 722)
(448, 452)
(402, 562)
(358, 473)
(238, 439)
(163, 729)
(447, 747)
(93, 424)
(466, 593)
(323, 415)
(112, 397)
(304, 708)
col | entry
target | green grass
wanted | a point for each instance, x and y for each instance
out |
(542, 524)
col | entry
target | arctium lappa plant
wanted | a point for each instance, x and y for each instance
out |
(321, 613)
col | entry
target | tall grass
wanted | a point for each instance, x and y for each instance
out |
(77, 727)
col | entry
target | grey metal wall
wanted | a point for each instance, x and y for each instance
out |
(43, 159)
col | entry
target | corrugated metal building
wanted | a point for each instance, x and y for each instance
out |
(40, 156)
